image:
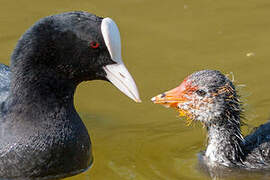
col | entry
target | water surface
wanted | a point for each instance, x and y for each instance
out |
(163, 42)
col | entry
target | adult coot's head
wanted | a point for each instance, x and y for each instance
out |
(73, 47)
(41, 134)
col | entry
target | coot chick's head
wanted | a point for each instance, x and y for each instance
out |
(74, 47)
(207, 96)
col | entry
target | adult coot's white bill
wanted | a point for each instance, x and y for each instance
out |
(41, 134)
(210, 97)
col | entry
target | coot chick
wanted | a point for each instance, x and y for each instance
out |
(210, 97)
(41, 134)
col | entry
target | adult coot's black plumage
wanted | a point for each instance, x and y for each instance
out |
(41, 134)
(210, 97)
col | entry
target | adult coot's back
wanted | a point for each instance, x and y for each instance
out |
(41, 134)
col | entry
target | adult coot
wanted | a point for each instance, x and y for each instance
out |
(210, 97)
(41, 134)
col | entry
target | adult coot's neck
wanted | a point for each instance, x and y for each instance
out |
(38, 74)
(224, 140)
(41, 84)
(44, 87)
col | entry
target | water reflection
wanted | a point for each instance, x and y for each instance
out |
(163, 42)
(225, 173)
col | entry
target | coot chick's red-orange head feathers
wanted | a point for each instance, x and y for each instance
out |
(205, 96)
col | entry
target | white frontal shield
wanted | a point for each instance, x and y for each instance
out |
(117, 73)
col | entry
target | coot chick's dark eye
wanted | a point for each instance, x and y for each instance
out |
(94, 45)
(201, 92)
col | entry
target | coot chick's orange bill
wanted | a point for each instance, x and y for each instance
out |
(210, 97)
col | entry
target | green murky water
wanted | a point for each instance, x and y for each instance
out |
(163, 42)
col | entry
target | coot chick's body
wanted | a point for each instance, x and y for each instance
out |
(41, 134)
(210, 97)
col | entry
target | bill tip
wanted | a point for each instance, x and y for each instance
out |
(138, 100)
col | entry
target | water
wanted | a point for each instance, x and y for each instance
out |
(163, 42)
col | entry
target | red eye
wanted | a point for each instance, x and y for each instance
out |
(94, 45)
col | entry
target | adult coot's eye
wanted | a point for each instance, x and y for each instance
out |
(200, 92)
(94, 45)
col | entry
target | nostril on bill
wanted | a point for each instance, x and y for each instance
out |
(122, 75)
